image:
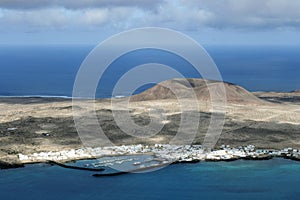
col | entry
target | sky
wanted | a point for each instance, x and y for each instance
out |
(211, 22)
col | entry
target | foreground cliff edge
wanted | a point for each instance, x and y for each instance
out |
(266, 120)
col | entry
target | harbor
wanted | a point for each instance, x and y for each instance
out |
(162, 153)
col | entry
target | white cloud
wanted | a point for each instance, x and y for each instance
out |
(250, 14)
(75, 4)
(60, 18)
(182, 15)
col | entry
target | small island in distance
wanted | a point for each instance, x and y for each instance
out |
(31, 127)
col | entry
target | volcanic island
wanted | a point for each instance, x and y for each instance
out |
(257, 125)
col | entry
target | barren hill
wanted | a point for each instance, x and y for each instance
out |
(203, 89)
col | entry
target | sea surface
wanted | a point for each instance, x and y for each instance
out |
(51, 70)
(271, 179)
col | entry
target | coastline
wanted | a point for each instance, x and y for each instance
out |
(45, 125)
(165, 153)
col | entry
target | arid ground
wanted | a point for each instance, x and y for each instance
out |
(264, 119)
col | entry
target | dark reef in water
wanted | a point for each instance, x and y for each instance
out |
(6, 165)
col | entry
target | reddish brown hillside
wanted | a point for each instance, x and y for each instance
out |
(202, 88)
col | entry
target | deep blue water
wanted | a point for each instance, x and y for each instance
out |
(272, 179)
(51, 70)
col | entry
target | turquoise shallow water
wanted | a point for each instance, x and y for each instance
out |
(272, 179)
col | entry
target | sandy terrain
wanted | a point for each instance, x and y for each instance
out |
(266, 120)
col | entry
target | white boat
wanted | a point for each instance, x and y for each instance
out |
(136, 163)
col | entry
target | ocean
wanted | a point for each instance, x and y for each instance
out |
(51, 71)
(271, 179)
